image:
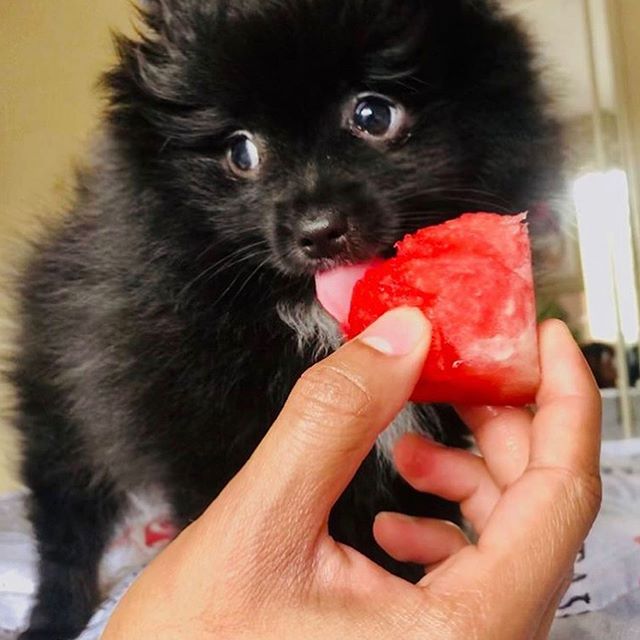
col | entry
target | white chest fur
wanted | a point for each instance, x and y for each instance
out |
(316, 330)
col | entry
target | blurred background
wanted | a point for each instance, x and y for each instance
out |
(51, 55)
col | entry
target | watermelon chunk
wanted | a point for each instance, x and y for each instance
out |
(472, 278)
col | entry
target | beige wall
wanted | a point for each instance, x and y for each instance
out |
(50, 57)
(626, 35)
(630, 22)
(51, 53)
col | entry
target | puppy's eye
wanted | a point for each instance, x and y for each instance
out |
(243, 155)
(377, 117)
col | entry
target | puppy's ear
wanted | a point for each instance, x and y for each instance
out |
(150, 66)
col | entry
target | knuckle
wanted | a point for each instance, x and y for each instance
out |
(583, 490)
(326, 391)
(588, 489)
(577, 492)
(462, 615)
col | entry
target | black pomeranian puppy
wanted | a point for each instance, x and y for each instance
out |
(249, 144)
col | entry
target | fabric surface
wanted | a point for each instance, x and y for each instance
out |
(143, 533)
(608, 566)
(603, 601)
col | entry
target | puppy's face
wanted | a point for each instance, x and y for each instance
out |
(319, 132)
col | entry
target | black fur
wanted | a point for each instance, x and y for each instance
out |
(153, 348)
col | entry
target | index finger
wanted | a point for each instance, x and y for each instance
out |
(557, 497)
(536, 529)
(502, 435)
(566, 429)
(546, 515)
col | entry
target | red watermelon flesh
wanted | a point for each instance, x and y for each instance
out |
(472, 278)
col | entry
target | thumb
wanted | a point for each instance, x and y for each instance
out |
(333, 416)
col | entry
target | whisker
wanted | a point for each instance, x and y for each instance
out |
(425, 212)
(447, 191)
(226, 262)
(249, 277)
(476, 202)
(453, 193)
(232, 283)
(251, 256)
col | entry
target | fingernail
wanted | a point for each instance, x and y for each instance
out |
(396, 333)
(402, 517)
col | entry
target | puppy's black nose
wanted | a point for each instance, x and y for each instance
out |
(323, 235)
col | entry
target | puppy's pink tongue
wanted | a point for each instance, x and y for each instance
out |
(334, 289)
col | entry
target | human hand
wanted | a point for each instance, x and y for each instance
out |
(261, 564)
